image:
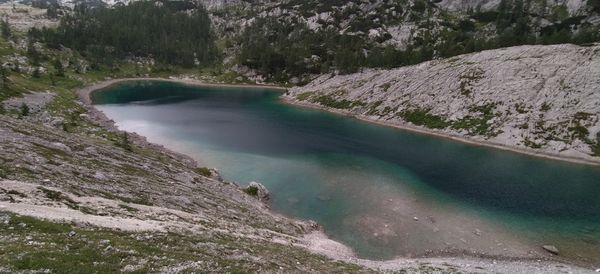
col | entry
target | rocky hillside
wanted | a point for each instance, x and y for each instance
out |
(122, 204)
(538, 98)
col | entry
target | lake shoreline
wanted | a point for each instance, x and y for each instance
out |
(85, 95)
(449, 136)
(312, 243)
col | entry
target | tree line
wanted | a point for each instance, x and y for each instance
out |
(174, 33)
(283, 48)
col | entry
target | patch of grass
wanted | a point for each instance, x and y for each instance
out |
(251, 190)
(545, 106)
(468, 78)
(596, 147)
(385, 86)
(580, 132)
(373, 108)
(88, 251)
(204, 171)
(14, 192)
(478, 125)
(422, 117)
(521, 108)
(527, 142)
(304, 96)
(50, 152)
(330, 101)
(59, 197)
(128, 208)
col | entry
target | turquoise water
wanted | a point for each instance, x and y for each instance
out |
(366, 183)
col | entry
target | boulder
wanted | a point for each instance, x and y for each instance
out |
(550, 248)
(258, 190)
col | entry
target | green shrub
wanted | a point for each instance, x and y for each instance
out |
(251, 190)
(204, 171)
(424, 118)
(24, 109)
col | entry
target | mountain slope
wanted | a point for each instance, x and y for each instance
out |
(538, 98)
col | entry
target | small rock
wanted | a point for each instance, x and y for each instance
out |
(61, 146)
(72, 233)
(4, 219)
(57, 123)
(104, 242)
(22, 224)
(550, 248)
(100, 176)
(90, 150)
(415, 218)
(258, 190)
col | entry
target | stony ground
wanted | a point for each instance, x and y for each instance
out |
(541, 99)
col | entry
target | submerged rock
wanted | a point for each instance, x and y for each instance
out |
(550, 248)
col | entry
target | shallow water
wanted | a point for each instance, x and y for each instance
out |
(384, 192)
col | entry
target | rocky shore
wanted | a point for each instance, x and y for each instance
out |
(539, 100)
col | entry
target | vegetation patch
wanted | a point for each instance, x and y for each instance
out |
(578, 129)
(478, 125)
(423, 117)
(373, 108)
(529, 143)
(596, 146)
(251, 190)
(59, 197)
(330, 101)
(204, 171)
(386, 86)
(468, 78)
(304, 96)
(521, 108)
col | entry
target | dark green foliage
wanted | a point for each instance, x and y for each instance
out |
(4, 78)
(59, 197)
(596, 146)
(594, 4)
(579, 131)
(424, 118)
(204, 171)
(5, 29)
(24, 110)
(251, 190)
(58, 67)
(36, 73)
(330, 101)
(172, 33)
(545, 106)
(124, 142)
(34, 56)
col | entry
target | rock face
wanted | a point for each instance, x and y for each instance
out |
(538, 98)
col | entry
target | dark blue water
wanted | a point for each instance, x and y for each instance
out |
(365, 182)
